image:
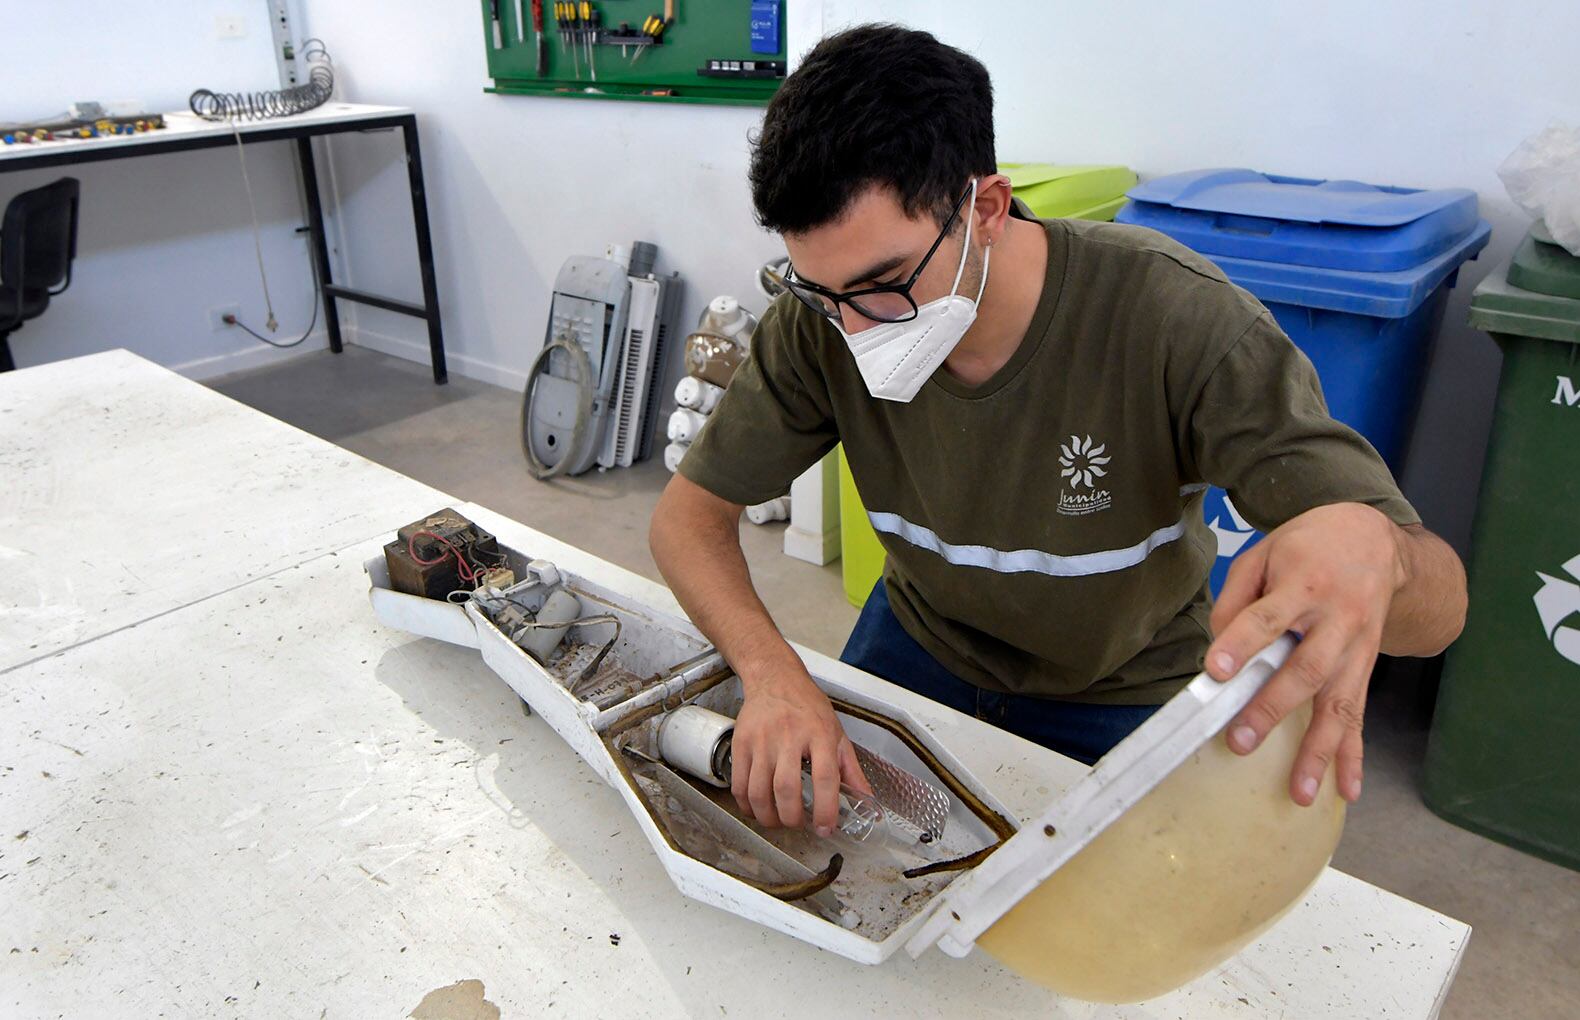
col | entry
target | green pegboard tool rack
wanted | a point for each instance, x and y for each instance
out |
(703, 31)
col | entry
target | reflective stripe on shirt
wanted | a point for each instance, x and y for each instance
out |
(1018, 561)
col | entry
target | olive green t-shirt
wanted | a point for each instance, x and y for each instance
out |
(1043, 530)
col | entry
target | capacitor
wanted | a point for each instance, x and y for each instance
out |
(559, 611)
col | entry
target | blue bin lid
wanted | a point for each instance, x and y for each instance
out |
(1344, 225)
(1377, 295)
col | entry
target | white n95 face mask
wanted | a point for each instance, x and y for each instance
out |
(896, 358)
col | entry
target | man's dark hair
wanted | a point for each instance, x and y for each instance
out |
(876, 104)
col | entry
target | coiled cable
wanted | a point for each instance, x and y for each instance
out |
(235, 106)
(586, 383)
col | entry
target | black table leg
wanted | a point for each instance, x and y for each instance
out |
(419, 215)
(315, 228)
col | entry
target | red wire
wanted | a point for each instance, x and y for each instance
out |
(462, 568)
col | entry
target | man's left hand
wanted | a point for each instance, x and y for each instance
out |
(1330, 576)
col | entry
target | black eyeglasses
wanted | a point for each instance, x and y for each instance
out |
(887, 303)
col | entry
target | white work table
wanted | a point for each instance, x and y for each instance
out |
(183, 126)
(265, 803)
(127, 491)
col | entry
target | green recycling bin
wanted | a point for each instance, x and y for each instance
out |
(1053, 193)
(1502, 757)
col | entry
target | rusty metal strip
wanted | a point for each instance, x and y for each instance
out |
(685, 694)
(958, 864)
(787, 891)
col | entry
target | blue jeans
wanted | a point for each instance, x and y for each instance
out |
(880, 646)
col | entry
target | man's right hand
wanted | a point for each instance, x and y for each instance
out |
(787, 720)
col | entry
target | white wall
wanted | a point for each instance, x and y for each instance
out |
(162, 239)
(516, 184)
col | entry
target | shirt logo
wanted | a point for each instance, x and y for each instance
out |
(1082, 463)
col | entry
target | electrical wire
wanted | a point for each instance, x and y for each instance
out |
(469, 566)
(257, 237)
(236, 107)
(312, 323)
(264, 105)
(493, 603)
(461, 566)
(591, 669)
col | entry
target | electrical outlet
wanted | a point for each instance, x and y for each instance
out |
(230, 26)
(216, 317)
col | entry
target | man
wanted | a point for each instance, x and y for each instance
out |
(1031, 411)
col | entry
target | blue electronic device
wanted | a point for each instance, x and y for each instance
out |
(765, 26)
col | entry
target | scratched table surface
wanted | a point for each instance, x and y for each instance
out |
(264, 803)
(127, 491)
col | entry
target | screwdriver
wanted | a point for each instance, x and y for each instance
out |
(653, 27)
(573, 34)
(589, 19)
(499, 32)
(543, 46)
(579, 35)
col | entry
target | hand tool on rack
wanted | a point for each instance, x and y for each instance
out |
(654, 28)
(543, 45)
(571, 22)
(589, 22)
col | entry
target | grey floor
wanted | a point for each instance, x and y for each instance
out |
(1524, 957)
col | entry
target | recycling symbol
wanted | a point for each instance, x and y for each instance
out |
(1557, 601)
(1233, 536)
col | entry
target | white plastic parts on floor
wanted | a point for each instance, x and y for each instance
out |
(258, 801)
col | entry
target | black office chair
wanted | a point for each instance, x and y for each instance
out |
(38, 241)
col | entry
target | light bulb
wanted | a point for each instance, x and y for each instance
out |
(860, 815)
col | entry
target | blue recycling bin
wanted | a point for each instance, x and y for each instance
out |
(1357, 274)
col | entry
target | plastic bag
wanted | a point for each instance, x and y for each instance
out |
(1542, 175)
